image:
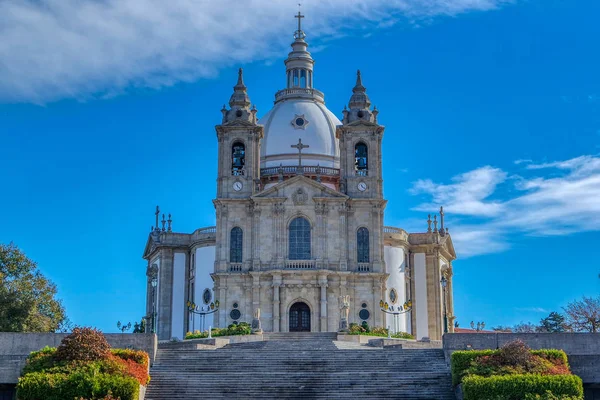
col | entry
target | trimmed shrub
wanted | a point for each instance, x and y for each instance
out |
(516, 387)
(118, 374)
(461, 361)
(137, 356)
(242, 328)
(485, 363)
(88, 383)
(84, 344)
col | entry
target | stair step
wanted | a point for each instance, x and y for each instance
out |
(298, 365)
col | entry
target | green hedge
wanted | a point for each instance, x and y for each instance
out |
(461, 360)
(513, 387)
(85, 383)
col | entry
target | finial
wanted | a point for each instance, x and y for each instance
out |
(280, 172)
(169, 221)
(318, 171)
(429, 223)
(446, 231)
(358, 78)
(442, 219)
(240, 81)
(435, 229)
(163, 222)
(156, 215)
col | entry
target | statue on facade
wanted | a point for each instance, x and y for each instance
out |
(344, 311)
(256, 326)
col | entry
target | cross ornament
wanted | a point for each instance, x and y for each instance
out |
(299, 34)
(300, 146)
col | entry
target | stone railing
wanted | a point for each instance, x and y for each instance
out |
(364, 267)
(295, 170)
(300, 264)
(299, 92)
(390, 229)
(210, 229)
(362, 172)
(235, 267)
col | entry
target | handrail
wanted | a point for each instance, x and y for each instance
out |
(295, 169)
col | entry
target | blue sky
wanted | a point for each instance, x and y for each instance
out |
(491, 108)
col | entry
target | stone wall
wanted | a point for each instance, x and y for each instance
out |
(583, 349)
(15, 347)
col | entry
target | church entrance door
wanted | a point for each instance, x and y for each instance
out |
(300, 317)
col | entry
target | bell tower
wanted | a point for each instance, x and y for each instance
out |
(239, 138)
(360, 146)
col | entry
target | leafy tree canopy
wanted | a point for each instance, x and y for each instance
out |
(28, 300)
(553, 323)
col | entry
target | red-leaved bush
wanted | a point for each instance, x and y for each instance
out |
(84, 344)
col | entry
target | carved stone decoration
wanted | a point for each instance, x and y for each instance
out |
(278, 209)
(300, 197)
(344, 310)
(256, 325)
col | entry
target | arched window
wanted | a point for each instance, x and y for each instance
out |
(238, 158)
(299, 239)
(362, 245)
(361, 159)
(235, 245)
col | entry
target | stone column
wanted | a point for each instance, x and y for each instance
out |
(276, 302)
(343, 234)
(165, 294)
(323, 285)
(222, 307)
(256, 239)
(255, 292)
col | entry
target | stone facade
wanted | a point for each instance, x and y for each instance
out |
(256, 263)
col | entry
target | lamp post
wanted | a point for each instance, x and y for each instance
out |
(203, 311)
(444, 283)
(480, 326)
(154, 283)
(403, 309)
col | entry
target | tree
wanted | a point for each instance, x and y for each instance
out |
(524, 327)
(584, 315)
(28, 300)
(501, 328)
(553, 323)
(140, 327)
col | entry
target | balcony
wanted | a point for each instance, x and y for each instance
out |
(364, 267)
(300, 264)
(235, 267)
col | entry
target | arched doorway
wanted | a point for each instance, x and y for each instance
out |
(299, 317)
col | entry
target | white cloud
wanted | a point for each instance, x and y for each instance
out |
(54, 49)
(564, 202)
(466, 195)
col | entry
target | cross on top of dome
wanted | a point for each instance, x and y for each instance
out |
(299, 34)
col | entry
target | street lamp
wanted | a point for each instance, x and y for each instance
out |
(154, 283)
(203, 311)
(399, 310)
(480, 325)
(444, 283)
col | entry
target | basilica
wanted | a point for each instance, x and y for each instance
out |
(299, 226)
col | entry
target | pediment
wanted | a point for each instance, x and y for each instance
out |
(299, 187)
(150, 246)
(449, 246)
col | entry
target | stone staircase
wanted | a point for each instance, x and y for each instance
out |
(298, 366)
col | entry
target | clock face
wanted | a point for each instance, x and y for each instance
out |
(362, 186)
(237, 186)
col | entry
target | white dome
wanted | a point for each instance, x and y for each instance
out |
(294, 119)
